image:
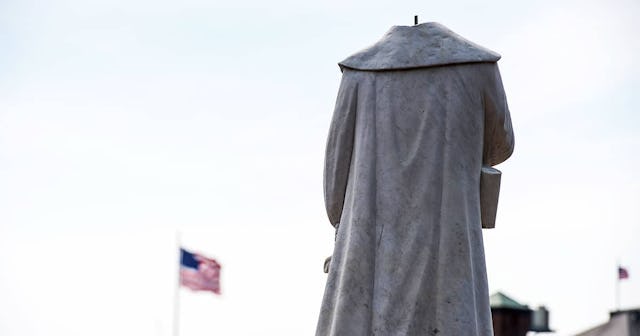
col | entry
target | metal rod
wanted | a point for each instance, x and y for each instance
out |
(618, 284)
(176, 296)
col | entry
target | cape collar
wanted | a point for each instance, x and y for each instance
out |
(424, 45)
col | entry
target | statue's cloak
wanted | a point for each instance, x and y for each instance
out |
(417, 116)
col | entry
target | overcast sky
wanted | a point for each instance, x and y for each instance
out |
(124, 122)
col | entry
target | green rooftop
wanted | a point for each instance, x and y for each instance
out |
(500, 300)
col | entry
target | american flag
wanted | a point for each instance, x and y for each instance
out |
(198, 272)
(622, 273)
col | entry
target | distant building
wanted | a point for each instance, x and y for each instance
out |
(511, 318)
(621, 323)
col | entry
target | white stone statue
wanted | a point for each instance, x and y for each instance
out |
(418, 115)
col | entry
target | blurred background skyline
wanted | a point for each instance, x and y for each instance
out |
(124, 122)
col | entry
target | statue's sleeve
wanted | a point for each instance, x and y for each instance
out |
(498, 131)
(339, 148)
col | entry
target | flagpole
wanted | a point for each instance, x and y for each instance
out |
(618, 285)
(176, 294)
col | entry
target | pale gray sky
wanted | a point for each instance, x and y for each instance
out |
(122, 122)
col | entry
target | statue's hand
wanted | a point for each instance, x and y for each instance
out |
(327, 263)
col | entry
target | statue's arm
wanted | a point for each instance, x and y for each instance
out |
(498, 131)
(339, 148)
(497, 143)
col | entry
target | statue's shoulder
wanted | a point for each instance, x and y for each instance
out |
(425, 45)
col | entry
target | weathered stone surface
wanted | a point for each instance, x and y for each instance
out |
(402, 178)
(425, 45)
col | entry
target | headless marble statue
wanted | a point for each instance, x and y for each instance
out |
(418, 115)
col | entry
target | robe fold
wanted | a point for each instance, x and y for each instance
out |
(417, 115)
